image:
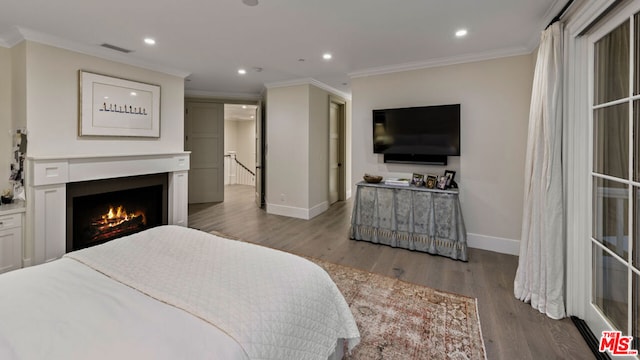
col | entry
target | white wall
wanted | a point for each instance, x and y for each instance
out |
(287, 151)
(494, 97)
(246, 143)
(318, 147)
(52, 105)
(6, 122)
(298, 150)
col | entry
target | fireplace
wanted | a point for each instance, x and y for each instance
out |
(102, 210)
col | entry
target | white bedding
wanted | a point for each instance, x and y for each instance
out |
(231, 300)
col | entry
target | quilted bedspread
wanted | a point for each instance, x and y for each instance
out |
(274, 304)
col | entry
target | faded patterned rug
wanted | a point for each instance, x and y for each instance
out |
(403, 321)
(400, 320)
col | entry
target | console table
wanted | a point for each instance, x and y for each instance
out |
(410, 217)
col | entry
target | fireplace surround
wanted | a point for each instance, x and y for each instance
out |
(47, 179)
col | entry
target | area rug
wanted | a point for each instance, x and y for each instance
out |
(400, 320)
(403, 321)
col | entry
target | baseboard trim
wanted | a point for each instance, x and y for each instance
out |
(496, 244)
(296, 212)
(289, 211)
(318, 209)
(26, 262)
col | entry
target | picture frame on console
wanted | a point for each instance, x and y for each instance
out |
(431, 181)
(442, 183)
(449, 174)
(111, 106)
(417, 179)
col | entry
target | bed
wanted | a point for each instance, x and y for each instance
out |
(174, 293)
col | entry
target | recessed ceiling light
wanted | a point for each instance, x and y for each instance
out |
(242, 71)
(133, 93)
(461, 32)
(149, 41)
(327, 56)
(244, 106)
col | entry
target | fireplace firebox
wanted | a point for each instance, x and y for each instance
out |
(102, 210)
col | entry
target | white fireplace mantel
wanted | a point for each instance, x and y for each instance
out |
(47, 178)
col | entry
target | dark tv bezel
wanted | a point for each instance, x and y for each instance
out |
(458, 148)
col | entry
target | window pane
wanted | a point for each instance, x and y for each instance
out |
(610, 215)
(610, 288)
(611, 140)
(636, 227)
(612, 66)
(636, 140)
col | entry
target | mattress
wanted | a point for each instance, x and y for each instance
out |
(172, 292)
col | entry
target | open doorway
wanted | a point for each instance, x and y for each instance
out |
(239, 150)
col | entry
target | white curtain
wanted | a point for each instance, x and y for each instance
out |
(540, 276)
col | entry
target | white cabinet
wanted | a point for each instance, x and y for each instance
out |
(11, 236)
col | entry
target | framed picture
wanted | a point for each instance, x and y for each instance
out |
(450, 174)
(442, 183)
(431, 181)
(417, 180)
(117, 107)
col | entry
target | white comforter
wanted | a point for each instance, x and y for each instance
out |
(219, 299)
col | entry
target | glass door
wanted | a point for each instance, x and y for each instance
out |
(615, 175)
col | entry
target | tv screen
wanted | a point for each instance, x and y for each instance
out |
(425, 130)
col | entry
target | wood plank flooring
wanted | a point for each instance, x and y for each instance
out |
(511, 329)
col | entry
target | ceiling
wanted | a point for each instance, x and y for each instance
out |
(279, 41)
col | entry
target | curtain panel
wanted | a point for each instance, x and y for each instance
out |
(540, 276)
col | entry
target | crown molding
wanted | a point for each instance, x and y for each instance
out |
(308, 81)
(222, 95)
(11, 38)
(454, 60)
(551, 13)
(95, 50)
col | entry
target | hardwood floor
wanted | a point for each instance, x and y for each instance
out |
(511, 328)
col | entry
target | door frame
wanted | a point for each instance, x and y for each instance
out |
(577, 139)
(215, 100)
(342, 145)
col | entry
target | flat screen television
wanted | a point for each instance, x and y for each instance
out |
(425, 134)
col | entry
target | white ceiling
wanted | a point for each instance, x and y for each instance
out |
(210, 40)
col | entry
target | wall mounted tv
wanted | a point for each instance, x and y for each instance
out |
(418, 135)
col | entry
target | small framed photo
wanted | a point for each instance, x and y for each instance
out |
(449, 174)
(417, 180)
(431, 181)
(442, 183)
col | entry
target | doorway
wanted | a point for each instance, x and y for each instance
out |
(222, 137)
(240, 144)
(337, 138)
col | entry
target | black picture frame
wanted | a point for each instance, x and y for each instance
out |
(450, 175)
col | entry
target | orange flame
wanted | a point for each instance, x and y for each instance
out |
(119, 215)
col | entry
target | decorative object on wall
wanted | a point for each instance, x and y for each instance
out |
(17, 168)
(117, 107)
